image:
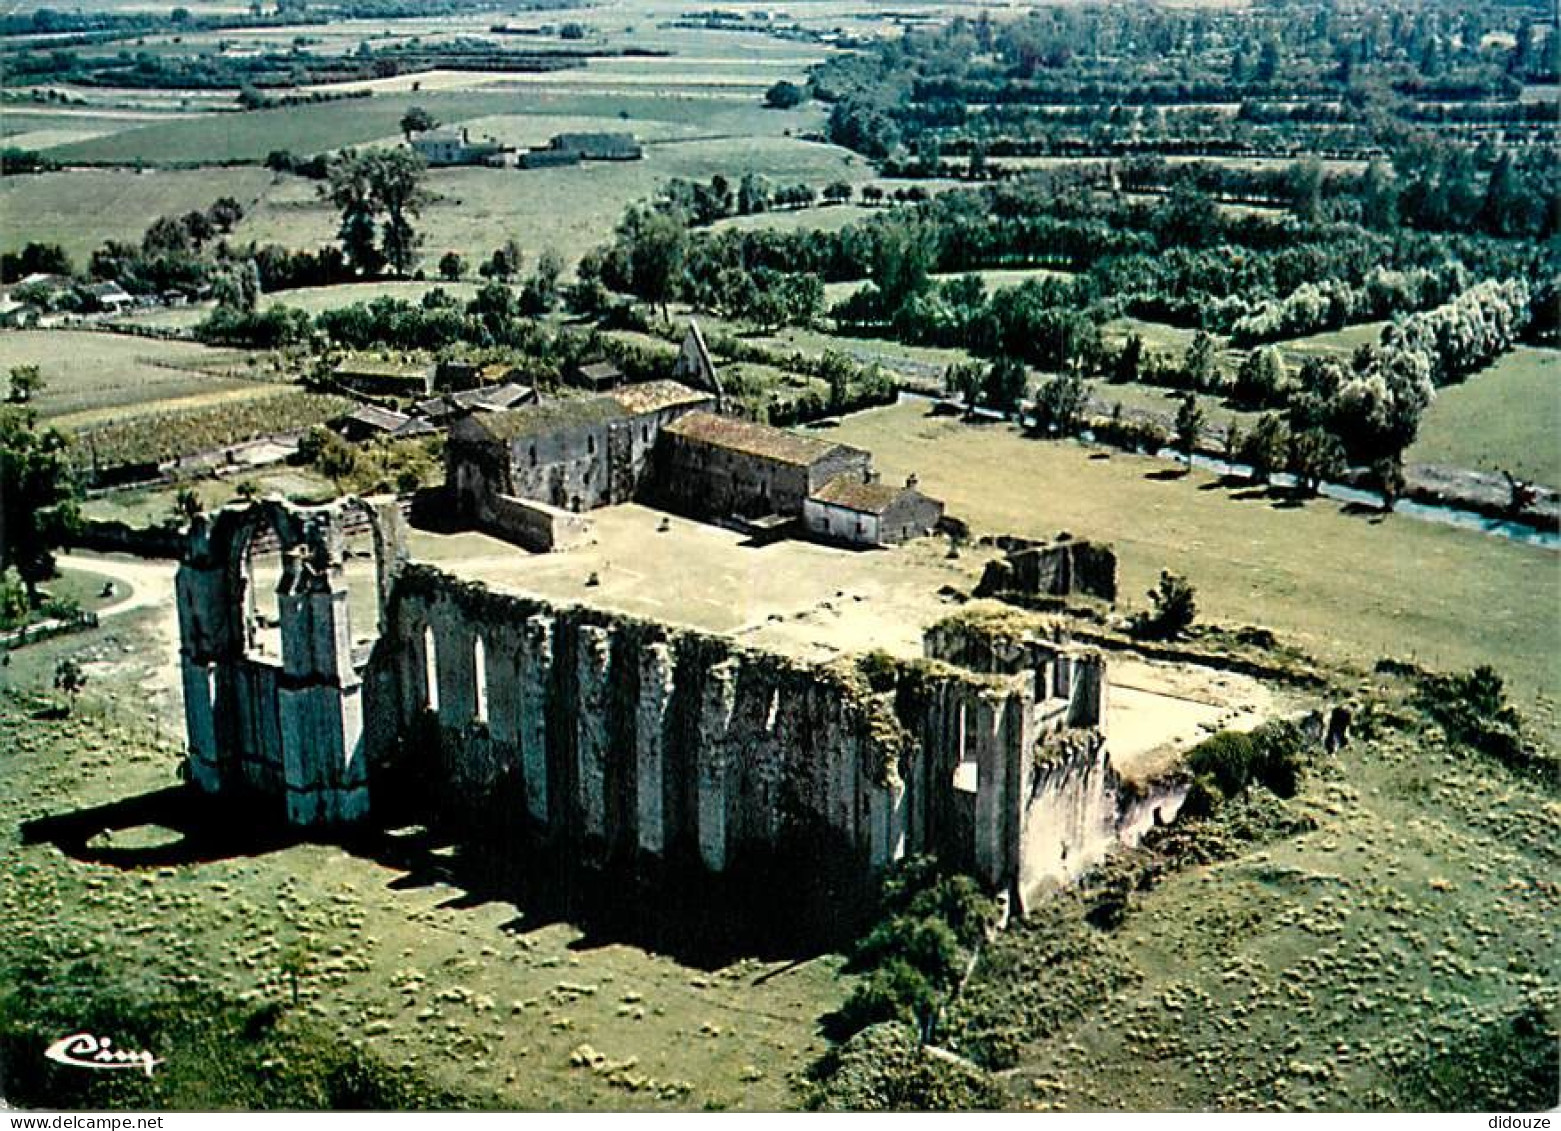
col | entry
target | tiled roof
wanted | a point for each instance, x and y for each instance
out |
(539, 419)
(752, 439)
(852, 494)
(374, 416)
(653, 396)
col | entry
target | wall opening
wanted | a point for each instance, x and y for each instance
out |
(430, 670)
(480, 680)
(260, 566)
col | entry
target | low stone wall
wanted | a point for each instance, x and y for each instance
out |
(535, 526)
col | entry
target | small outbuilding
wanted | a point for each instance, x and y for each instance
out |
(869, 512)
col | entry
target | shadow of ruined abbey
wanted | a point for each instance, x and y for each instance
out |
(563, 757)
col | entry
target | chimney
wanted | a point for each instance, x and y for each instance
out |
(870, 476)
(912, 481)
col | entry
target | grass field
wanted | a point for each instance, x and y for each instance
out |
(1342, 586)
(81, 208)
(569, 209)
(481, 994)
(321, 127)
(1372, 959)
(1506, 416)
(92, 378)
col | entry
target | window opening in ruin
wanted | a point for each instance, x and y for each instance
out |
(480, 679)
(430, 670)
(590, 445)
(533, 455)
(260, 576)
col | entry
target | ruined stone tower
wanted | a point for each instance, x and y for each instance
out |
(288, 725)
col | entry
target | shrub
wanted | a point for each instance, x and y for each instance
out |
(1230, 762)
(1174, 608)
(1472, 710)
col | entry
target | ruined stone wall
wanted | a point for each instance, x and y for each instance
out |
(1076, 811)
(1060, 569)
(1070, 682)
(536, 526)
(632, 737)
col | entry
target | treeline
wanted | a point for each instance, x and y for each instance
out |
(1103, 80)
(1177, 258)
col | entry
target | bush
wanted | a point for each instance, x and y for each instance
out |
(1472, 710)
(1174, 608)
(1230, 762)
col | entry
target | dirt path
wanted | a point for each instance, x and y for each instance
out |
(151, 583)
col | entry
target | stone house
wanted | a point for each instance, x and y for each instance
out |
(717, 466)
(870, 512)
(570, 455)
(443, 148)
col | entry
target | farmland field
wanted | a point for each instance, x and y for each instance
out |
(82, 208)
(570, 209)
(96, 377)
(1506, 417)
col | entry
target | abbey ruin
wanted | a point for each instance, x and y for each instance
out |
(650, 739)
(628, 737)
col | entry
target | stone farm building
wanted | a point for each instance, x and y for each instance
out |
(721, 466)
(526, 475)
(444, 148)
(518, 473)
(870, 512)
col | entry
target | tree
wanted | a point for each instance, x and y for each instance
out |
(1173, 608)
(1059, 405)
(1189, 427)
(540, 293)
(417, 121)
(838, 192)
(963, 380)
(26, 383)
(785, 96)
(224, 213)
(1130, 360)
(837, 370)
(38, 496)
(1004, 384)
(1199, 362)
(397, 177)
(1268, 61)
(504, 263)
(70, 678)
(187, 505)
(1265, 447)
(1315, 456)
(658, 245)
(1261, 378)
(350, 187)
(452, 266)
(753, 194)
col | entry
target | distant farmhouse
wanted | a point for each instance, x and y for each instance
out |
(445, 148)
(573, 148)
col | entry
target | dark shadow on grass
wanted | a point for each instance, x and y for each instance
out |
(1167, 474)
(768, 908)
(208, 830)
